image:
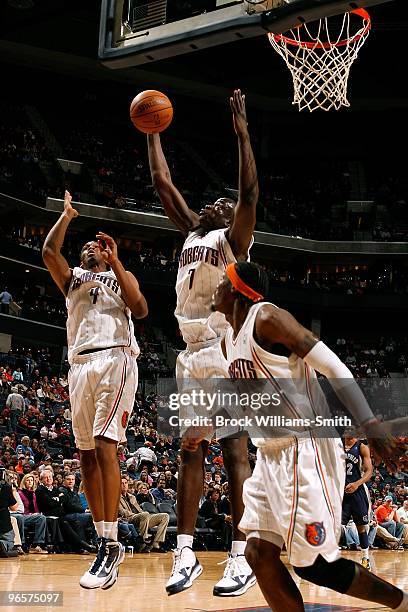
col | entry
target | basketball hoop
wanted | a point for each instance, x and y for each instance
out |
(320, 62)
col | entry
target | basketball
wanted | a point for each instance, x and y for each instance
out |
(151, 111)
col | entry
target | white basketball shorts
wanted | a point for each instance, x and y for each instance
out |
(203, 363)
(102, 387)
(294, 497)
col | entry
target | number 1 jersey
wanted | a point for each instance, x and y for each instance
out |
(98, 318)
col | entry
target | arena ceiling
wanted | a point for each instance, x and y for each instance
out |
(62, 36)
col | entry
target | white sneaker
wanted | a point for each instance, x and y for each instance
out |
(237, 579)
(104, 570)
(186, 569)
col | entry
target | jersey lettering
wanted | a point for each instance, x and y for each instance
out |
(199, 253)
(88, 277)
(242, 368)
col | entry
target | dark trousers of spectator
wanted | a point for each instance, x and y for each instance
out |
(5, 308)
(73, 532)
(86, 523)
(7, 540)
(14, 414)
(54, 536)
(129, 535)
(38, 521)
(219, 524)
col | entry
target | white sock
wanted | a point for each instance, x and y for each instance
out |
(184, 540)
(110, 531)
(99, 528)
(403, 607)
(365, 553)
(238, 547)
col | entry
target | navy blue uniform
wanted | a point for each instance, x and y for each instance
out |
(355, 505)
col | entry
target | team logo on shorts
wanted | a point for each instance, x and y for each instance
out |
(125, 416)
(315, 534)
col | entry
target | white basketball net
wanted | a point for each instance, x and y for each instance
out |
(319, 63)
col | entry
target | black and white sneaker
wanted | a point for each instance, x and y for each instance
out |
(186, 569)
(237, 579)
(104, 571)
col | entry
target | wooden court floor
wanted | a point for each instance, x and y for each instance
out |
(140, 587)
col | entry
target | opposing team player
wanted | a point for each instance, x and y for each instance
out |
(220, 234)
(102, 350)
(356, 501)
(294, 496)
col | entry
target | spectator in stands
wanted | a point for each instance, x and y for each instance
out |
(143, 494)
(159, 493)
(27, 515)
(387, 518)
(5, 300)
(130, 510)
(15, 402)
(215, 519)
(18, 376)
(73, 508)
(402, 513)
(206, 488)
(49, 500)
(145, 456)
(8, 503)
(24, 447)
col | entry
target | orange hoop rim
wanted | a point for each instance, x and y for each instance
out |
(326, 45)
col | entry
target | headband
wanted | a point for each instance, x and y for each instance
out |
(240, 286)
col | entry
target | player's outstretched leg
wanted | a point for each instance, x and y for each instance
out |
(350, 578)
(238, 576)
(274, 579)
(101, 476)
(186, 567)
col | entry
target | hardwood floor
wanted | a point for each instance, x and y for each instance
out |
(141, 584)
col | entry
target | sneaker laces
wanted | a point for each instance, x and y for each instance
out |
(176, 561)
(232, 568)
(100, 557)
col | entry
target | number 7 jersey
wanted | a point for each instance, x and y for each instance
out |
(98, 318)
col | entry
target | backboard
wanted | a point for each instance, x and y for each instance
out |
(134, 32)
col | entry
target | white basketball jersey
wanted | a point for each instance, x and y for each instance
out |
(291, 377)
(98, 318)
(202, 263)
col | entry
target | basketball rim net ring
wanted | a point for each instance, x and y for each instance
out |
(319, 61)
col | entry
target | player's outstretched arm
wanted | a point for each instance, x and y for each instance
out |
(243, 224)
(132, 296)
(277, 326)
(51, 252)
(174, 204)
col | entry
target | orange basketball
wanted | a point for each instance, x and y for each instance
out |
(151, 111)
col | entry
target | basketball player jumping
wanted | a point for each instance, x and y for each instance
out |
(294, 496)
(356, 501)
(102, 350)
(220, 234)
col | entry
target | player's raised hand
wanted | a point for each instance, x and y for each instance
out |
(237, 103)
(69, 211)
(386, 448)
(108, 247)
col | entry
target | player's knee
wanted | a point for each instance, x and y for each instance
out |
(260, 554)
(88, 460)
(234, 452)
(193, 460)
(337, 575)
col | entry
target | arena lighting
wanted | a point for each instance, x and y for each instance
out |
(21, 5)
